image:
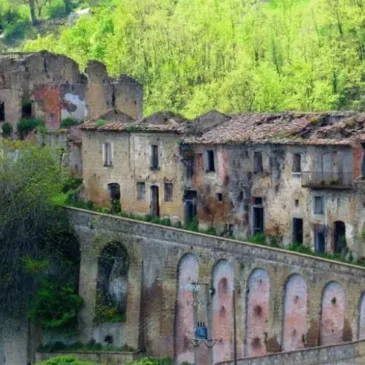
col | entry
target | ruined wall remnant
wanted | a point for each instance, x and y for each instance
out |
(56, 89)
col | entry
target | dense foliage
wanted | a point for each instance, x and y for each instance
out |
(36, 239)
(231, 55)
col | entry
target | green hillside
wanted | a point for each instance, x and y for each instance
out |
(230, 55)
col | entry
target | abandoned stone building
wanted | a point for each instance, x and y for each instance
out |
(291, 177)
(52, 87)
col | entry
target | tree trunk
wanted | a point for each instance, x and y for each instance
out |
(67, 6)
(32, 12)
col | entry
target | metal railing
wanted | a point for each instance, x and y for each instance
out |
(334, 180)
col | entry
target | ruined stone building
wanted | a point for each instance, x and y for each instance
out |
(52, 87)
(291, 177)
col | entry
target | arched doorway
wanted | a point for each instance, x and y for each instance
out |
(339, 237)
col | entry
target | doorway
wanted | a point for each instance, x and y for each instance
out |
(258, 216)
(320, 239)
(155, 201)
(297, 230)
(339, 237)
(114, 192)
(190, 206)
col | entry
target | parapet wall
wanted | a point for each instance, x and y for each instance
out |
(347, 354)
(284, 300)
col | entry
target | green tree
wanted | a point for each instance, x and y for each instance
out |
(31, 228)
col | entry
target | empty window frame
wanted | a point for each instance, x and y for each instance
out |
(209, 161)
(219, 197)
(297, 163)
(168, 192)
(258, 166)
(141, 191)
(2, 112)
(318, 205)
(154, 157)
(107, 154)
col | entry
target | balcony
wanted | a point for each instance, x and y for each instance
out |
(327, 180)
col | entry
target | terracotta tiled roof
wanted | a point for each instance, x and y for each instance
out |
(338, 128)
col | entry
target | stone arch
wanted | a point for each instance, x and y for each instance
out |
(112, 279)
(257, 312)
(188, 273)
(332, 314)
(361, 331)
(222, 310)
(295, 313)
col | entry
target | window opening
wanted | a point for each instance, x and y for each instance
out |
(297, 163)
(168, 192)
(258, 162)
(209, 161)
(154, 158)
(107, 154)
(141, 191)
(219, 197)
(318, 205)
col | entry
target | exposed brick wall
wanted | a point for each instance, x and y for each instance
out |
(333, 314)
(188, 274)
(295, 314)
(257, 313)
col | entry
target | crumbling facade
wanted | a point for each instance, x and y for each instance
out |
(52, 88)
(293, 178)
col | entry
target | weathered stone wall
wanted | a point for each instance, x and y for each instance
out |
(283, 195)
(346, 354)
(131, 164)
(58, 89)
(157, 309)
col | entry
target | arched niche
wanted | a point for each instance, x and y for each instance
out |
(188, 274)
(222, 311)
(257, 312)
(332, 315)
(295, 313)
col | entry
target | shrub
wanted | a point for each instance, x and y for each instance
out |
(25, 126)
(7, 130)
(15, 26)
(257, 238)
(56, 9)
(68, 122)
(101, 123)
(55, 305)
(66, 360)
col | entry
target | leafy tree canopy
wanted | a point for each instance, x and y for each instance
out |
(33, 232)
(232, 55)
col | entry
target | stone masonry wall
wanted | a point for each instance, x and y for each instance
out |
(155, 315)
(346, 354)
